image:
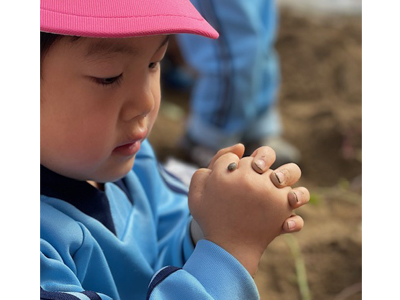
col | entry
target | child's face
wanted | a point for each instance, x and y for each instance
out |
(99, 100)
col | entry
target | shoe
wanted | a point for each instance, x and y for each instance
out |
(285, 151)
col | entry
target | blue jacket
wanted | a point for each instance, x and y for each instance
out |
(131, 241)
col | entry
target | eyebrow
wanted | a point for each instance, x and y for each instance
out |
(106, 48)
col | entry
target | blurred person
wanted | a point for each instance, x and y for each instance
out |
(234, 97)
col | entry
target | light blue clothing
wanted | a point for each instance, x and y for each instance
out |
(234, 98)
(143, 250)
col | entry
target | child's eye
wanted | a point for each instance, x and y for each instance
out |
(108, 80)
(153, 65)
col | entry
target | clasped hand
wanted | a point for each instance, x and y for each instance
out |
(243, 209)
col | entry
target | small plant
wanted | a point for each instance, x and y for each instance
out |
(300, 266)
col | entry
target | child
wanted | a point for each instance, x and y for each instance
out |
(112, 232)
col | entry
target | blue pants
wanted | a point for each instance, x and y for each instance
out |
(234, 98)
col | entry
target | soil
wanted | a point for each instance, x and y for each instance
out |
(320, 104)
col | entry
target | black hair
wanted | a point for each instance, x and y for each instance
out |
(46, 40)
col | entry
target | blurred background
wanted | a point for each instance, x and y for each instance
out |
(319, 44)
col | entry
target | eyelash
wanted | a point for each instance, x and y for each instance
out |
(153, 65)
(117, 79)
(109, 81)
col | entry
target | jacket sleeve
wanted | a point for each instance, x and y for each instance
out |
(168, 198)
(70, 258)
(66, 258)
(210, 273)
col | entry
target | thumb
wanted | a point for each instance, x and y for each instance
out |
(237, 149)
(196, 188)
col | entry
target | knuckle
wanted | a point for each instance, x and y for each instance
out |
(221, 152)
(269, 150)
(295, 168)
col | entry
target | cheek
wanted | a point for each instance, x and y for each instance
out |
(73, 136)
(152, 119)
(75, 141)
(157, 101)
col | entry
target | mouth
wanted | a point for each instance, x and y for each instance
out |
(128, 149)
(132, 146)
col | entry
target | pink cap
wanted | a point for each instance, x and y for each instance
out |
(122, 18)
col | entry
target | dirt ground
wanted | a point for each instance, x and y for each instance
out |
(320, 104)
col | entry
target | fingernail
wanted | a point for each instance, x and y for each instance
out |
(295, 196)
(260, 164)
(293, 199)
(280, 177)
(291, 224)
(232, 167)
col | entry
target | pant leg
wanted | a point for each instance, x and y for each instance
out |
(238, 73)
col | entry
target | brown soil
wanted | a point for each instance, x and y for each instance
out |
(320, 103)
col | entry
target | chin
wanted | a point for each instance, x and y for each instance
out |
(116, 173)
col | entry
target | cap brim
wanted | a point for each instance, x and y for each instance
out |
(122, 18)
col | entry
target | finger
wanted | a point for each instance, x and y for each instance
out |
(286, 175)
(196, 187)
(237, 149)
(292, 224)
(264, 157)
(298, 197)
(227, 162)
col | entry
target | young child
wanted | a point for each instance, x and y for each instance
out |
(112, 232)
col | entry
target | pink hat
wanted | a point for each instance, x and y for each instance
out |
(122, 18)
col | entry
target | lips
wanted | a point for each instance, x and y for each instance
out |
(128, 149)
(131, 146)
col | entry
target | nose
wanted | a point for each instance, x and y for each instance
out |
(138, 104)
